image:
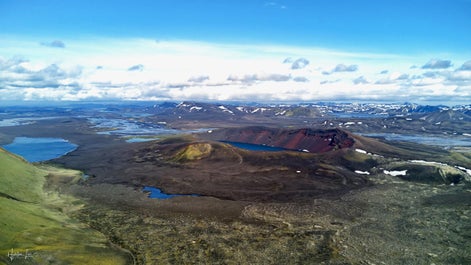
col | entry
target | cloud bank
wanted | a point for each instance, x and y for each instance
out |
(141, 69)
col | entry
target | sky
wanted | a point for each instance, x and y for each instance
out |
(278, 51)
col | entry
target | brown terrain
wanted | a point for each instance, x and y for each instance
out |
(259, 207)
(192, 165)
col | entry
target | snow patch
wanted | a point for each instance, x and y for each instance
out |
(395, 173)
(196, 108)
(362, 172)
(427, 162)
(225, 109)
(366, 153)
(361, 151)
(468, 171)
(259, 109)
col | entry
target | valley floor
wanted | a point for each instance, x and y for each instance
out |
(393, 222)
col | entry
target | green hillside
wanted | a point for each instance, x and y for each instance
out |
(20, 179)
(33, 219)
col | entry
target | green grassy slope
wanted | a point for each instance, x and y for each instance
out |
(20, 179)
(33, 219)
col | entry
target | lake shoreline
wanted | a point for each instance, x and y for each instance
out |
(39, 149)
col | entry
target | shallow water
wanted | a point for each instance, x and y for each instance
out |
(157, 193)
(22, 121)
(126, 127)
(40, 149)
(428, 140)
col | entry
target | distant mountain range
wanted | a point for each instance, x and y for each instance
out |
(315, 110)
(235, 109)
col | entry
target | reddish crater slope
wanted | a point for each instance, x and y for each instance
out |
(312, 140)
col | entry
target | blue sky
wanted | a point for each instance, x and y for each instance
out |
(417, 50)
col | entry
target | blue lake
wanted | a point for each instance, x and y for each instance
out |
(40, 149)
(156, 193)
(255, 147)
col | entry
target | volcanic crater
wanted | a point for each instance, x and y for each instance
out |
(305, 139)
(202, 164)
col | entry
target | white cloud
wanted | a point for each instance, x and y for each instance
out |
(300, 79)
(54, 44)
(274, 5)
(288, 60)
(198, 79)
(299, 63)
(137, 67)
(339, 68)
(393, 78)
(146, 69)
(18, 80)
(466, 66)
(360, 80)
(437, 64)
(345, 68)
(251, 78)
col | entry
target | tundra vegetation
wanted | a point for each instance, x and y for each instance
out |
(35, 218)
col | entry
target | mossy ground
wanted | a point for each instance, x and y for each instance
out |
(194, 151)
(188, 240)
(392, 221)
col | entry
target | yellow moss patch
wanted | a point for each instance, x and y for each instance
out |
(194, 151)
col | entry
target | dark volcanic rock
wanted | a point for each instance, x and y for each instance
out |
(314, 141)
(208, 168)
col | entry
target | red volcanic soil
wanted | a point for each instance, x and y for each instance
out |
(312, 140)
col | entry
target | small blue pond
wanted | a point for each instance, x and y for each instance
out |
(156, 193)
(40, 149)
(255, 147)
